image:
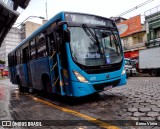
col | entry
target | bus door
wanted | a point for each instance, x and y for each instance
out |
(27, 67)
(55, 67)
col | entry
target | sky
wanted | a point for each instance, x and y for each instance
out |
(105, 8)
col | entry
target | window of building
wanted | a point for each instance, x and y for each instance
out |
(151, 34)
(125, 41)
(140, 39)
(158, 33)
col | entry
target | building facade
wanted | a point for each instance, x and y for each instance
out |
(152, 18)
(15, 37)
(12, 39)
(28, 28)
(135, 40)
(133, 36)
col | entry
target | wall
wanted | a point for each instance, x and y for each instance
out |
(136, 40)
(10, 42)
(28, 28)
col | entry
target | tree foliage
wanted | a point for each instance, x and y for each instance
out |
(2, 62)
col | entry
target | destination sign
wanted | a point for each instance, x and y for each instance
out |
(88, 19)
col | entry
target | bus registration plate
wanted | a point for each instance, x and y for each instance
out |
(107, 87)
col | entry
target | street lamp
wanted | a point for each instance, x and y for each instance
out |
(30, 18)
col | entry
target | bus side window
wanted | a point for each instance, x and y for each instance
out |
(41, 45)
(51, 43)
(58, 39)
(21, 57)
(32, 49)
(18, 54)
(25, 55)
(14, 59)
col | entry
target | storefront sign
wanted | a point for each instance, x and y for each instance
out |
(130, 26)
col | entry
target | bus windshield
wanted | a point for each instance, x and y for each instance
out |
(95, 46)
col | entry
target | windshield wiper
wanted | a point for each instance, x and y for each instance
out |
(102, 27)
(111, 29)
(90, 34)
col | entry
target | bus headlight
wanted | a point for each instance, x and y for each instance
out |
(124, 71)
(80, 77)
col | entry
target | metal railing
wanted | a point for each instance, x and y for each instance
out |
(153, 43)
(134, 46)
(152, 11)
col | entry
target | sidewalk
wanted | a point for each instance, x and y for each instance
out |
(1, 77)
(6, 81)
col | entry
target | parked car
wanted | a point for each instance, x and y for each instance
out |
(130, 69)
(5, 73)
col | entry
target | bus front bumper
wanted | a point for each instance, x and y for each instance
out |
(82, 89)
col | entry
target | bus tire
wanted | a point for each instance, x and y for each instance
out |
(153, 73)
(21, 89)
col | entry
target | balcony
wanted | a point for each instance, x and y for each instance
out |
(136, 46)
(153, 43)
(152, 11)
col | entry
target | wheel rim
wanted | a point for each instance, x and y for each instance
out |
(153, 73)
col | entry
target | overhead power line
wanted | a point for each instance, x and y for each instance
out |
(134, 8)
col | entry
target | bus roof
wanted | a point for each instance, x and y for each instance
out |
(60, 16)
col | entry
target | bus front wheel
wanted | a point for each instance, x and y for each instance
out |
(21, 89)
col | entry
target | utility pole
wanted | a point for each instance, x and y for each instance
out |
(46, 11)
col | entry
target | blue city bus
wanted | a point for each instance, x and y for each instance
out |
(72, 54)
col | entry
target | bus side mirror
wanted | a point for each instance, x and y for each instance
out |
(66, 34)
(62, 23)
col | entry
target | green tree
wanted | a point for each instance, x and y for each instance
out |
(2, 62)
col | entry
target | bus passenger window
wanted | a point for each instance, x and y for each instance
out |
(41, 45)
(13, 61)
(18, 56)
(21, 57)
(33, 49)
(25, 55)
